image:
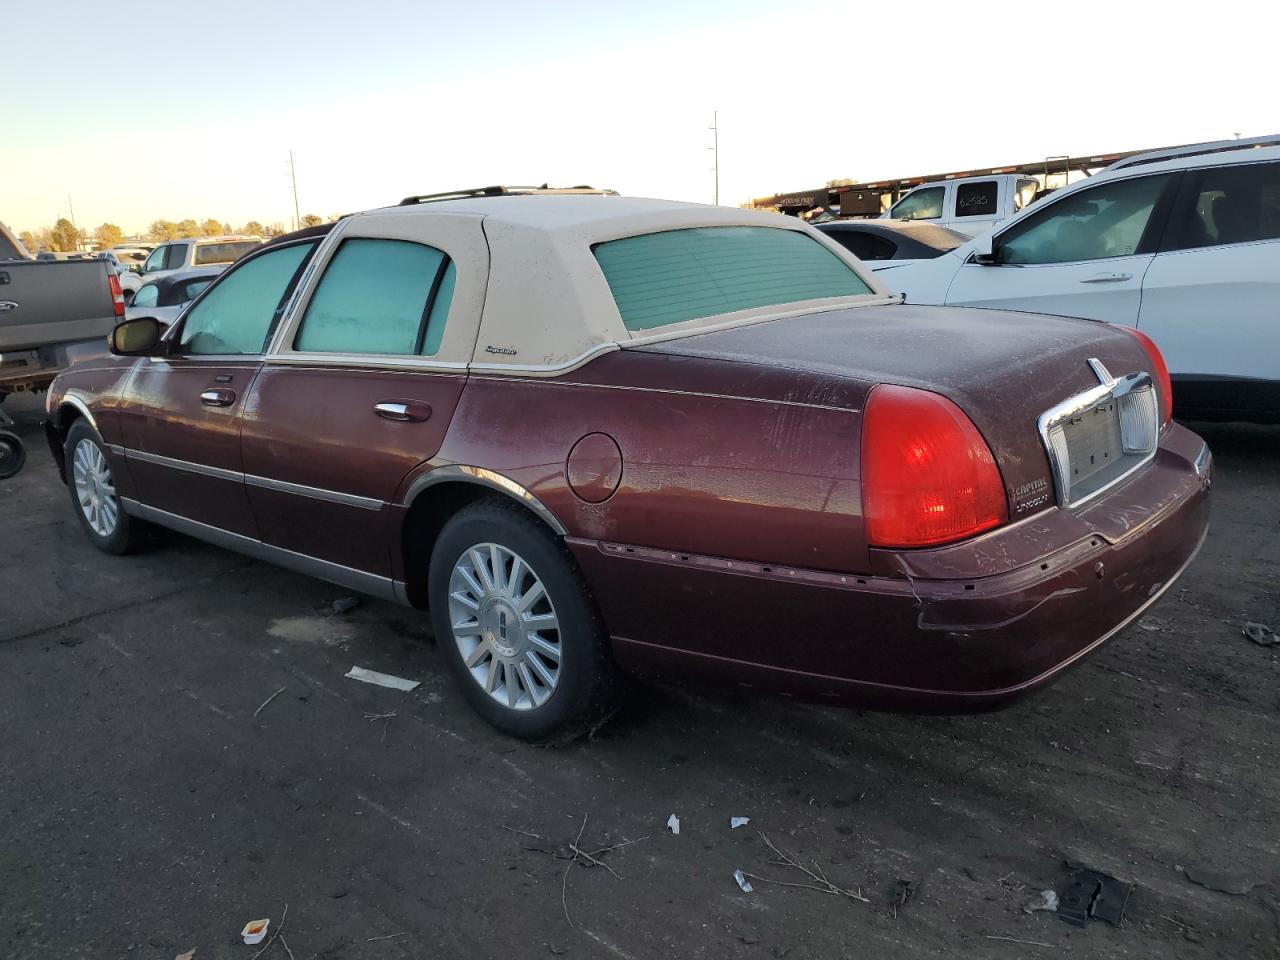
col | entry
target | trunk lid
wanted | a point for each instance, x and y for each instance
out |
(1003, 369)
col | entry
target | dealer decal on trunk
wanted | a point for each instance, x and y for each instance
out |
(1028, 496)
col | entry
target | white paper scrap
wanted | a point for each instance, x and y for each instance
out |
(383, 679)
(736, 822)
(673, 824)
(743, 882)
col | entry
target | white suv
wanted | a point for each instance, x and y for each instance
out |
(196, 252)
(1183, 244)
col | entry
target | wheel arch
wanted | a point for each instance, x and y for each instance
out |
(436, 496)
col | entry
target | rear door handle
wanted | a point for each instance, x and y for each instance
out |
(1108, 278)
(403, 410)
(218, 398)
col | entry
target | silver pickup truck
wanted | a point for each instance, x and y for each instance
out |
(51, 313)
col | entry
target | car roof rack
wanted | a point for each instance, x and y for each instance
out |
(500, 191)
(1197, 150)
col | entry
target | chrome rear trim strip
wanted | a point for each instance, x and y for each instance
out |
(315, 493)
(382, 587)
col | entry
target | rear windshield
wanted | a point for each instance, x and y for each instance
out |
(677, 275)
(227, 252)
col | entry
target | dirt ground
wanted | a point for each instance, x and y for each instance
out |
(150, 805)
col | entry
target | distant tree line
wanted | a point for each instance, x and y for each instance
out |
(65, 238)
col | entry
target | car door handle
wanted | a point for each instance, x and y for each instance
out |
(1108, 278)
(403, 410)
(218, 398)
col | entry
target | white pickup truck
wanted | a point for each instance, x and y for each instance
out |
(970, 205)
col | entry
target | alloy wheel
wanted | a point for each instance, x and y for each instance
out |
(95, 490)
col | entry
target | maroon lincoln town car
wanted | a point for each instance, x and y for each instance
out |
(594, 434)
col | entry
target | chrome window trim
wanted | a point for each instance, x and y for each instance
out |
(1108, 388)
(484, 478)
(382, 587)
(315, 493)
(383, 361)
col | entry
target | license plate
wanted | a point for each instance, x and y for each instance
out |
(1094, 443)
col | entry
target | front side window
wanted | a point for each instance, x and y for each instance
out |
(1025, 193)
(239, 313)
(175, 256)
(1104, 221)
(379, 296)
(225, 252)
(920, 204)
(677, 275)
(976, 199)
(1237, 204)
(147, 296)
(156, 260)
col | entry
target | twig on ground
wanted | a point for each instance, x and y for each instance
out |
(823, 884)
(389, 936)
(386, 719)
(1030, 943)
(589, 857)
(285, 943)
(564, 882)
(524, 833)
(268, 700)
(1177, 923)
(272, 939)
(616, 846)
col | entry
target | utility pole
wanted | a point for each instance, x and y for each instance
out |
(72, 209)
(293, 177)
(715, 148)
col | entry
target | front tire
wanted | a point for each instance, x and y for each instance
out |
(518, 627)
(93, 493)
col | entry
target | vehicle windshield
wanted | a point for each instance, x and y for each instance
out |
(677, 275)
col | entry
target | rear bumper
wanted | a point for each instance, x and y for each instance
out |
(960, 629)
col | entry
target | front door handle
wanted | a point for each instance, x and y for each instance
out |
(1108, 278)
(218, 398)
(403, 410)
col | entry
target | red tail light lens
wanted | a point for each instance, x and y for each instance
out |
(1159, 370)
(928, 477)
(117, 293)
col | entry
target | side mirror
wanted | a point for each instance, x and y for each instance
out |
(135, 338)
(984, 251)
(135, 268)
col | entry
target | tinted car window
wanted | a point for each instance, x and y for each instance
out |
(677, 275)
(1231, 205)
(374, 298)
(976, 199)
(147, 296)
(864, 246)
(1103, 221)
(175, 255)
(920, 205)
(237, 315)
(226, 252)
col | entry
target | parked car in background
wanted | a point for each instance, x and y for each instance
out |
(196, 252)
(969, 205)
(886, 244)
(1181, 244)
(165, 297)
(592, 433)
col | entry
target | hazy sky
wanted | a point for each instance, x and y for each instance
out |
(189, 110)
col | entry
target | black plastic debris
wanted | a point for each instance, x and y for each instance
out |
(904, 890)
(1261, 634)
(1093, 895)
(345, 604)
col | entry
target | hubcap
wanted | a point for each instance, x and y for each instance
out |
(94, 488)
(505, 626)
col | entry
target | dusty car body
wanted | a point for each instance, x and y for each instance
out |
(699, 491)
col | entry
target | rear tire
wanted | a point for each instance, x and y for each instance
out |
(518, 627)
(93, 493)
(12, 454)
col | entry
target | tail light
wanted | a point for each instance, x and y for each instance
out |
(117, 293)
(928, 477)
(1159, 370)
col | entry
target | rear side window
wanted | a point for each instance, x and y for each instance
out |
(147, 296)
(920, 205)
(379, 296)
(677, 275)
(227, 252)
(239, 313)
(1231, 205)
(864, 246)
(976, 199)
